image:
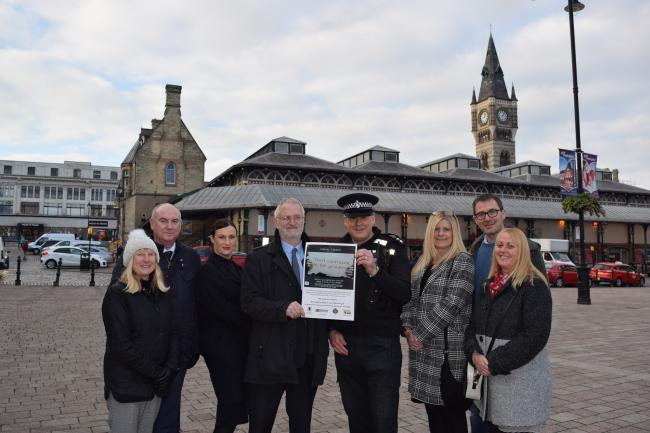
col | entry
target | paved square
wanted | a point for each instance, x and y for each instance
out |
(52, 343)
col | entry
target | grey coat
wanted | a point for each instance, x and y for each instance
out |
(446, 302)
(517, 395)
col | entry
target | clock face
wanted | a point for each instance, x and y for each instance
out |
(502, 115)
(484, 117)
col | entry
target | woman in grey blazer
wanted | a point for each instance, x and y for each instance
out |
(439, 310)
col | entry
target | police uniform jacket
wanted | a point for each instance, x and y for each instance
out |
(278, 346)
(378, 300)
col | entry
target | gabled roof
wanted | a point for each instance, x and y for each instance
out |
(492, 84)
(446, 158)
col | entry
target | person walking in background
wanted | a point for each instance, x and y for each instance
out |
(368, 353)
(287, 353)
(142, 352)
(489, 216)
(507, 339)
(434, 323)
(179, 265)
(223, 327)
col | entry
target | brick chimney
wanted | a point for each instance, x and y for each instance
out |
(173, 101)
(615, 175)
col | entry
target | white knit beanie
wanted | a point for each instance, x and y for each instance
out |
(138, 240)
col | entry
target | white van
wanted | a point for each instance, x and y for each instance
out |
(36, 246)
(4, 256)
(554, 252)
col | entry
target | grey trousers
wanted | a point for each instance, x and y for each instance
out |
(135, 417)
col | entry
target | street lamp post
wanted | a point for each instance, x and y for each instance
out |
(583, 272)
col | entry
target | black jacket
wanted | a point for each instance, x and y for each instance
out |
(378, 301)
(179, 276)
(223, 327)
(141, 339)
(278, 346)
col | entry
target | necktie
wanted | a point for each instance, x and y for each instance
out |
(294, 263)
(168, 255)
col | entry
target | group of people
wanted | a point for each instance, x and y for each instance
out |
(490, 307)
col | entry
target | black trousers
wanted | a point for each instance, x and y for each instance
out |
(446, 420)
(369, 378)
(264, 401)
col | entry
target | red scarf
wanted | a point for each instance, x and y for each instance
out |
(496, 286)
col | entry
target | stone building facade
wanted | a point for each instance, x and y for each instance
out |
(165, 162)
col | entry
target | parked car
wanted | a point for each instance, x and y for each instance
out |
(561, 275)
(616, 274)
(70, 257)
(100, 251)
(204, 252)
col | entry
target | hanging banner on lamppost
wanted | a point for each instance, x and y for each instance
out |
(589, 174)
(568, 172)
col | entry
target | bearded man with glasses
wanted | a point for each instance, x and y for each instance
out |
(490, 217)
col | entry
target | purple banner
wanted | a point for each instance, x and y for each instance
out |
(589, 174)
(568, 172)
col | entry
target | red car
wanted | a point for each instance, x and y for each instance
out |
(204, 252)
(562, 275)
(616, 274)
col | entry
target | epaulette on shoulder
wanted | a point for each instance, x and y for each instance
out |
(393, 237)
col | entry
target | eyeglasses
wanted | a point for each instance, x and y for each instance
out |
(288, 218)
(491, 213)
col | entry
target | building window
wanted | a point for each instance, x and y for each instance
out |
(75, 210)
(96, 194)
(76, 172)
(170, 174)
(7, 169)
(281, 147)
(31, 171)
(110, 195)
(30, 191)
(53, 192)
(76, 194)
(113, 175)
(6, 190)
(54, 209)
(296, 148)
(97, 174)
(54, 172)
(484, 161)
(504, 158)
(95, 210)
(6, 207)
(28, 208)
(110, 212)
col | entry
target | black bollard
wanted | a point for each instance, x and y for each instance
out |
(18, 282)
(92, 273)
(58, 273)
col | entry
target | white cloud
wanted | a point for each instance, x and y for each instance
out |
(83, 76)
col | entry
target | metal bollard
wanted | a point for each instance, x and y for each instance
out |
(92, 273)
(58, 273)
(18, 282)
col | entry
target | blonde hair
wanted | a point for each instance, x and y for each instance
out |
(524, 269)
(429, 252)
(132, 281)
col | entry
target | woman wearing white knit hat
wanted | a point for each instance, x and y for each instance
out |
(142, 353)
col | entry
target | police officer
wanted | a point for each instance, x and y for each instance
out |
(367, 350)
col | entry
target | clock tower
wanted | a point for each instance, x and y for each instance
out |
(494, 115)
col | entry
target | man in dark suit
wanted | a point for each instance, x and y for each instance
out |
(287, 353)
(179, 264)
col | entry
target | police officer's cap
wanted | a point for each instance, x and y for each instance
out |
(358, 204)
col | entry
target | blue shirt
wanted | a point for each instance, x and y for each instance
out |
(300, 254)
(482, 263)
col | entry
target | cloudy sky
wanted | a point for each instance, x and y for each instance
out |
(79, 78)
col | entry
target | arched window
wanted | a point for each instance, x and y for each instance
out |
(170, 174)
(484, 161)
(504, 158)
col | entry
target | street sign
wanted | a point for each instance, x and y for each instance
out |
(97, 223)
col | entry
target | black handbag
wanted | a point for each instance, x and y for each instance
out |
(451, 390)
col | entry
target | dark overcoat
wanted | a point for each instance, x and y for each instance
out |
(268, 287)
(445, 302)
(223, 327)
(141, 339)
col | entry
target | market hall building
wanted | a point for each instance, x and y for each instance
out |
(249, 191)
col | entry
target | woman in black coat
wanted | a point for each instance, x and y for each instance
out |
(142, 353)
(223, 328)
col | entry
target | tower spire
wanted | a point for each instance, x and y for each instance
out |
(492, 84)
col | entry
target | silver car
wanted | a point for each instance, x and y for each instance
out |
(70, 257)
